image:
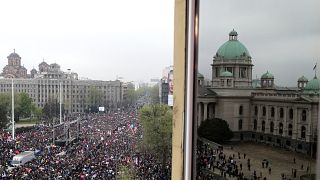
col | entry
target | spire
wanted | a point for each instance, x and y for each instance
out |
(14, 50)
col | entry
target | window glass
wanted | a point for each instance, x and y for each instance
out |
(264, 125)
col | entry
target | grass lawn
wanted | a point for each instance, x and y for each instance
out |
(28, 121)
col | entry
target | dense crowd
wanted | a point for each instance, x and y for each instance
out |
(107, 143)
(212, 163)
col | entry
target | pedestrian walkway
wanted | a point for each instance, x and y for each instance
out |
(279, 161)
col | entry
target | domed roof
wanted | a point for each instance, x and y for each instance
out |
(267, 75)
(233, 48)
(14, 55)
(302, 78)
(226, 74)
(313, 86)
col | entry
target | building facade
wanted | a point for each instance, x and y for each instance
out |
(43, 85)
(257, 109)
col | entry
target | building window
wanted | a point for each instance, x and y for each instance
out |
(304, 115)
(263, 126)
(256, 110)
(303, 132)
(240, 110)
(290, 130)
(280, 128)
(240, 124)
(255, 124)
(264, 111)
(271, 127)
(291, 113)
(272, 112)
(281, 112)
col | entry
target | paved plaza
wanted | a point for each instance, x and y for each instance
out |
(280, 160)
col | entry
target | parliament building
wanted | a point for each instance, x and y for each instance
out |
(257, 109)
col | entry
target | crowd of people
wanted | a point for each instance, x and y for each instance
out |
(107, 143)
(212, 164)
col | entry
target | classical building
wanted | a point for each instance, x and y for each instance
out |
(43, 85)
(14, 69)
(257, 109)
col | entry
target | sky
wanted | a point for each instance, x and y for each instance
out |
(283, 37)
(98, 39)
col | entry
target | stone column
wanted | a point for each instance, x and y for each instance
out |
(199, 114)
(205, 112)
(259, 122)
(285, 122)
(309, 126)
(295, 123)
(276, 121)
(267, 127)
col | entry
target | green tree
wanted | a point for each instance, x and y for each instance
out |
(23, 105)
(156, 120)
(216, 130)
(4, 109)
(154, 92)
(95, 99)
(126, 172)
(52, 109)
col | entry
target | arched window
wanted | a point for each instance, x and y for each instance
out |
(281, 112)
(255, 124)
(264, 111)
(280, 128)
(303, 132)
(272, 112)
(263, 126)
(240, 110)
(304, 115)
(291, 113)
(240, 124)
(256, 110)
(290, 129)
(271, 127)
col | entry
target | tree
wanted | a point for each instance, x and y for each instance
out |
(154, 92)
(95, 99)
(216, 130)
(156, 120)
(23, 105)
(4, 109)
(52, 109)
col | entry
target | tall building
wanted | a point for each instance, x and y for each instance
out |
(43, 85)
(259, 110)
(166, 86)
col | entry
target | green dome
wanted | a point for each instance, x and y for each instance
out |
(233, 48)
(267, 75)
(313, 86)
(302, 78)
(226, 74)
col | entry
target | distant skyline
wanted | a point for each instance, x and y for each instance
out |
(96, 39)
(283, 37)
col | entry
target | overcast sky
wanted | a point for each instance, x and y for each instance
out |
(281, 36)
(97, 39)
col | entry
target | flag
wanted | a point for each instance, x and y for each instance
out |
(315, 66)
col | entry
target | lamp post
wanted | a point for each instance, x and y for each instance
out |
(12, 115)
